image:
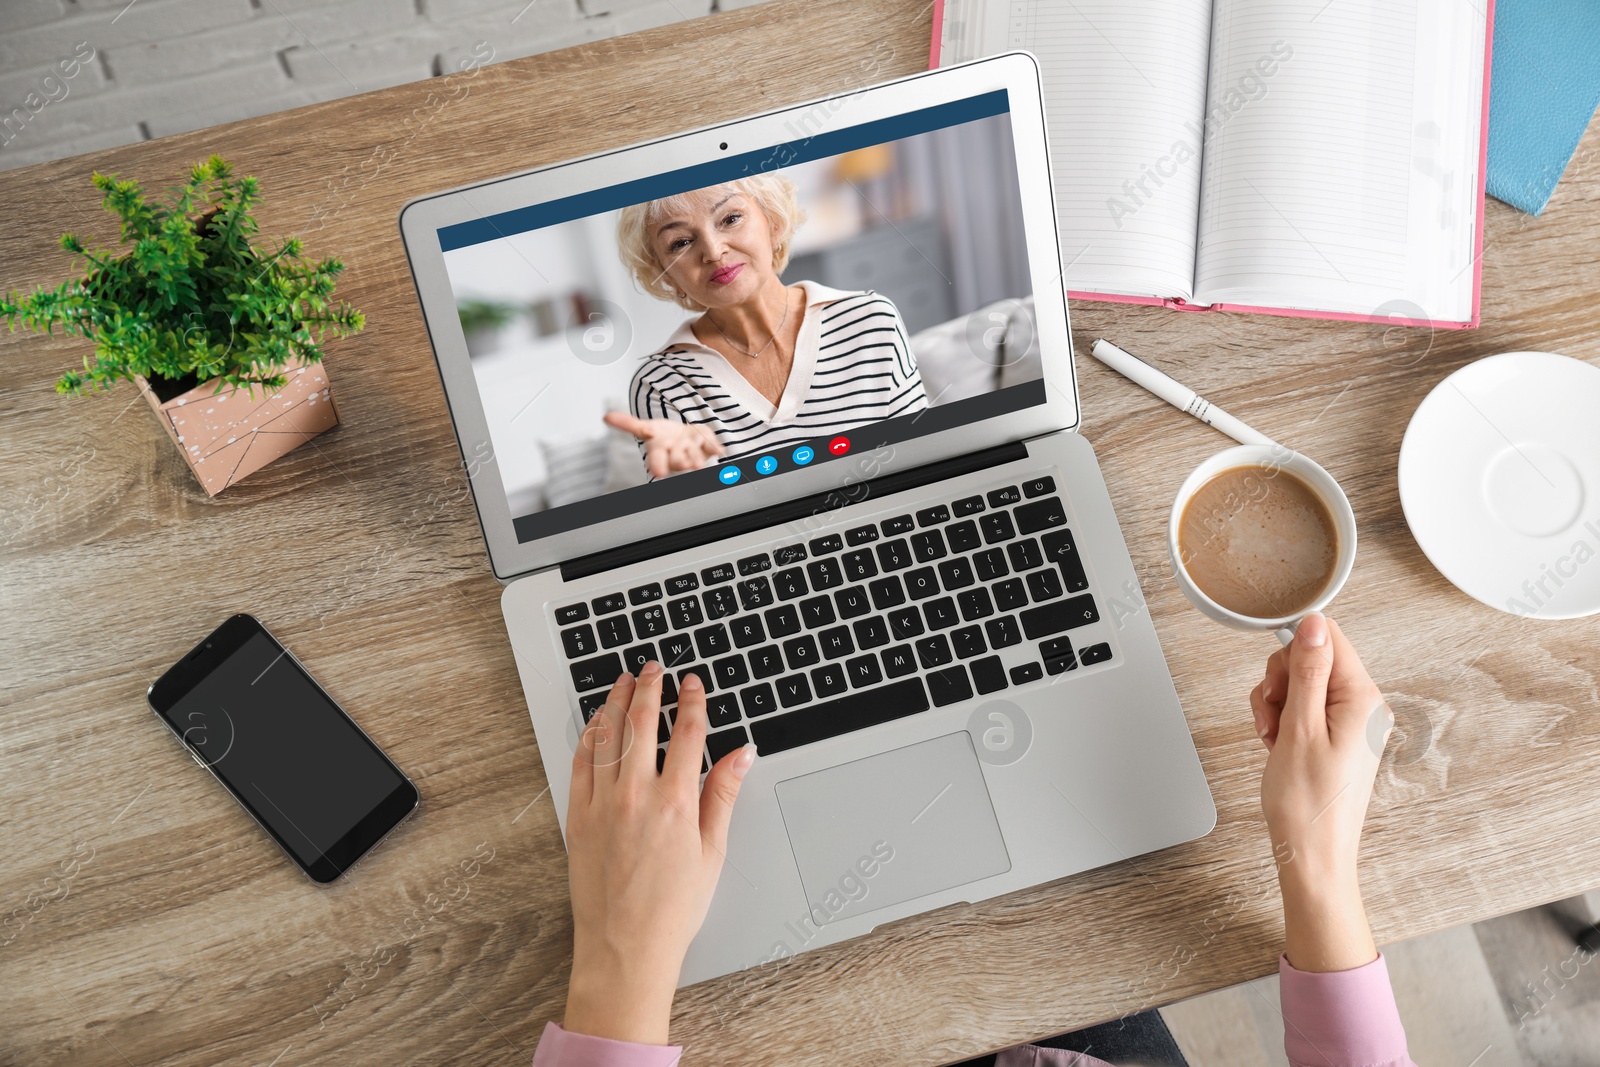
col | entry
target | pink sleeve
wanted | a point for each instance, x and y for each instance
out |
(1341, 1018)
(557, 1048)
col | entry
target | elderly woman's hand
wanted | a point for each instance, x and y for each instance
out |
(669, 445)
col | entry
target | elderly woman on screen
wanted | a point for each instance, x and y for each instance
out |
(763, 365)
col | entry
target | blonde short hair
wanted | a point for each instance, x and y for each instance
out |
(774, 194)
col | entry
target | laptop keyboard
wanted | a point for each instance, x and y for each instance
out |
(818, 638)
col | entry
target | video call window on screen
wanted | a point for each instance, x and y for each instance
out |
(594, 324)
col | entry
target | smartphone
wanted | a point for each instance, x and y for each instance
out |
(248, 712)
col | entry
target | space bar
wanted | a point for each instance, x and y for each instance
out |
(834, 717)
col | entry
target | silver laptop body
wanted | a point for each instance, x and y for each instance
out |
(1018, 723)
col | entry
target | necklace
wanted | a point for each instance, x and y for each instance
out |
(770, 340)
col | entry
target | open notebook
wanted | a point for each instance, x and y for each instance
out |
(1322, 158)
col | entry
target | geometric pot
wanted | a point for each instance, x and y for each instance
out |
(227, 435)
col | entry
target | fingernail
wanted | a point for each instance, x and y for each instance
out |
(1313, 630)
(743, 761)
(692, 681)
(651, 669)
(1266, 689)
(623, 677)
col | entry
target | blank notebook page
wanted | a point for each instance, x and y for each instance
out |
(1346, 179)
(1124, 83)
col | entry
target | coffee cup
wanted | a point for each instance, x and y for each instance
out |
(1278, 514)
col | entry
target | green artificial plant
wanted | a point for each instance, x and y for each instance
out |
(192, 300)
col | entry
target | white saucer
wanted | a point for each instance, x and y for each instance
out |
(1500, 482)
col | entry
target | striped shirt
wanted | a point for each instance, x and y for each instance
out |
(852, 366)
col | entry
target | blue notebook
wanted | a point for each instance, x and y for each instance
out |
(1545, 87)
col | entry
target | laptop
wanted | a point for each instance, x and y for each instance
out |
(903, 578)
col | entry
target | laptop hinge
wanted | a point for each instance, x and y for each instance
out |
(790, 510)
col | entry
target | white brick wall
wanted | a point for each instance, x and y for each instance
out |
(81, 75)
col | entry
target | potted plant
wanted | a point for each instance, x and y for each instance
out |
(221, 337)
(481, 323)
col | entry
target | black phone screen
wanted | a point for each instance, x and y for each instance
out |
(290, 755)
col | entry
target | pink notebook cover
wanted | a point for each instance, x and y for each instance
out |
(1184, 305)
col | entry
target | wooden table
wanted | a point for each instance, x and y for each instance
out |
(150, 921)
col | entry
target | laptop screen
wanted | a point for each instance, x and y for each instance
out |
(746, 317)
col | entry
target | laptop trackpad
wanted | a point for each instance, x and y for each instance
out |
(892, 827)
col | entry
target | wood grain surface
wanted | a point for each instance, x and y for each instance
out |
(149, 921)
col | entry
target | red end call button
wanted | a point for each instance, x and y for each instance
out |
(839, 446)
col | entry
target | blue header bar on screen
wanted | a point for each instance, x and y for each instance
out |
(715, 172)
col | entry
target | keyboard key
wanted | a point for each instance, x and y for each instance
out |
(801, 652)
(788, 554)
(859, 565)
(968, 642)
(758, 700)
(997, 527)
(988, 676)
(722, 710)
(999, 498)
(828, 681)
(1095, 654)
(894, 555)
(887, 593)
(1025, 673)
(928, 546)
(900, 524)
(933, 516)
(863, 671)
(705, 678)
(614, 631)
(835, 642)
(755, 593)
(934, 651)
(605, 605)
(793, 690)
(571, 613)
(818, 611)
(636, 657)
(991, 564)
(861, 535)
(963, 536)
(712, 640)
(840, 715)
(825, 574)
(1043, 585)
(905, 623)
(722, 572)
(781, 622)
(921, 583)
(870, 633)
(853, 602)
(898, 661)
(720, 603)
(821, 546)
(974, 604)
(1009, 595)
(1003, 632)
(1041, 515)
(747, 631)
(589, 704)
(1054, 665)
(579, 641)
(969, 505)
(1062, 615)
(949, 686)
(685, 613)
(941, 613)
(722, 742)
(730, 672)
(683, 583)
(669, 690)
(755, 564)
(1038, 487)
(594, 673)
(766, 661)
(956, 573)
(645, 594)
(1024, 555)
(651, 621)
(791, 583)
(676, 650)
(1060, 550)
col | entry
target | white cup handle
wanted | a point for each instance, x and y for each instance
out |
(1286, 633)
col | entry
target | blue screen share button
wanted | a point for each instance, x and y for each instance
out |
(803, 455)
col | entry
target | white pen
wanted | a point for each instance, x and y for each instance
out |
(1175, 393)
